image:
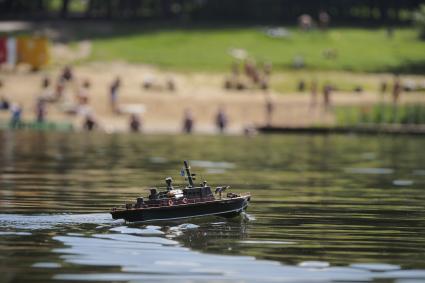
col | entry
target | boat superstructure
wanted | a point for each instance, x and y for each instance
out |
(184, 202)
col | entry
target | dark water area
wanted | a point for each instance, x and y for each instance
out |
(324, 209)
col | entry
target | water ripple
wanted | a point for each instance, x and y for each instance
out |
(149, 258)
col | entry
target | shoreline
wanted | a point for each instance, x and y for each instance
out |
(162, 111)
(365, 129)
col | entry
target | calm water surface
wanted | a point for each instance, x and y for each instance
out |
(324, 209)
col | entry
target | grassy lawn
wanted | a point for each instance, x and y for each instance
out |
(359, 50)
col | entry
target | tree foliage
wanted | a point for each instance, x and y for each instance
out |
(419, 18)
(232, 11)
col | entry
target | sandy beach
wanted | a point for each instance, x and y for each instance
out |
(202, 93)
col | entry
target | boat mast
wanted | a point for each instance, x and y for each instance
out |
(189, 175)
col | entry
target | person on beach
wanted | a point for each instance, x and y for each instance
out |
(59, 90)
(89, 123)
(4, 102)
(16, 114)
(248, 68)
(313, 97)
(327, 89)
(170, 84)
(383, 87)
(188, 121)
(40, 110)
(67, 74)
(83, 97)
(46, 94)
(113, 94)
(221, 119)
(396, 89)
(301, 86)
(251, 71)
(269, 110)
(135, 123)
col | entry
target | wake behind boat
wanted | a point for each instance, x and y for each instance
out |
(178, 203)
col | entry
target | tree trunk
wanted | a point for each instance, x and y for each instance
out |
(65, 9)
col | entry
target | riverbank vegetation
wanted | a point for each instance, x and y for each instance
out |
(407, 114)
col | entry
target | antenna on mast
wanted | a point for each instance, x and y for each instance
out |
(189, 175)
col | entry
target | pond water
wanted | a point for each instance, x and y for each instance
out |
(324, 209)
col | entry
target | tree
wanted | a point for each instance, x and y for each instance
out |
(419, 19)
(65, 8)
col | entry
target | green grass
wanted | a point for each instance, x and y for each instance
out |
(359, 50)
(381, 114)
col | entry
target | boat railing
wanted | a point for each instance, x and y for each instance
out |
(166, 202)
(169, 202)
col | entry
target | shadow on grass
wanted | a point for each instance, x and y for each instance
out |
(69, 31)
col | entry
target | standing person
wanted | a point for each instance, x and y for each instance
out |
(396, 89)
(267, 71)
(327, 89)
(45, 92)
(89, 122)
(221, 119)
(301, 86)
(305, 22)
(383, 87)
(135, 123)
(269, 110)
(324, 19)
(67, 74)
(83, 96)
(170, 84)
(4, 103)
(40, 110)
(59, 89)
(313, 98)
(16, 113)
(113, 93)
(188, 121)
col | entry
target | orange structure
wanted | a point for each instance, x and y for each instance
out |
(33, 51)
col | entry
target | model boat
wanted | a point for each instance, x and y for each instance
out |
(173, 203)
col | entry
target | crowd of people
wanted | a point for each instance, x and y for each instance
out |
(221, 120)
(306, 22)
(395, 91)
(328, 89)
(73, 97)
(247, 74)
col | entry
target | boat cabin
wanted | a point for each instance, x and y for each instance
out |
(190, 193)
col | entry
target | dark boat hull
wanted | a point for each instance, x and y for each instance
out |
(224, 208)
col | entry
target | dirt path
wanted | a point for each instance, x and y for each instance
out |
(200, 92)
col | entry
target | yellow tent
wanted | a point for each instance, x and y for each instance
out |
(33, 51)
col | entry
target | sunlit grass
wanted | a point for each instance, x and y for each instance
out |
(360, 50)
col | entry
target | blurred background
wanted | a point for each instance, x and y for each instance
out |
(211, 66)
(100, 100)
